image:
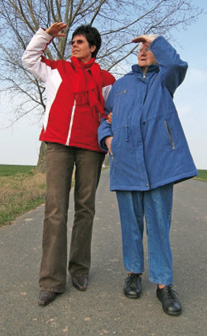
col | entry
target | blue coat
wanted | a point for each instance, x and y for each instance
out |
(149, 146)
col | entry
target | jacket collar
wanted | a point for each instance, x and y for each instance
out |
(152, 68)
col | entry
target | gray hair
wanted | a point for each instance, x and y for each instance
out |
(140, 44)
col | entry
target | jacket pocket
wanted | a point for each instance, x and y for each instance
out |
(169, 134)
(122, 142)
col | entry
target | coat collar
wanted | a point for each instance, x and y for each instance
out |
(136, 68)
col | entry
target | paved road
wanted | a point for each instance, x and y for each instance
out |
(103, 309)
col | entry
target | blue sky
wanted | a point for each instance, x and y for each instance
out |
(20, 144)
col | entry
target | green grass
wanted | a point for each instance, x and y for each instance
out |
(202, 175)
(22, 189)
(9, 170)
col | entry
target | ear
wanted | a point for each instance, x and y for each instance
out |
(93, 48)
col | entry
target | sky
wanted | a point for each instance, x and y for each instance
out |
(20, 142)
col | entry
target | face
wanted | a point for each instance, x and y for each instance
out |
(81, 48)
(145, 56)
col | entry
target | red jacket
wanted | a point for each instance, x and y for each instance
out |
(69, 119)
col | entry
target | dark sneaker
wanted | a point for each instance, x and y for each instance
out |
(170, 303)
(132, 287)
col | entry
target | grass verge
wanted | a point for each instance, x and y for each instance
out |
(202, 175)
(22, 190)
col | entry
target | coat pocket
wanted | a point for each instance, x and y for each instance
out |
(169, 134)
(166, 138)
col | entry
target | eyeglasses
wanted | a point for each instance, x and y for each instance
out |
(77, 41)
(139, 51)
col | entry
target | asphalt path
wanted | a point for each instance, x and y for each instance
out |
(103, 309)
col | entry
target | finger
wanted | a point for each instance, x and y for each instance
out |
(61, 34)
(58, 26)
(139, 39)
(61, 25)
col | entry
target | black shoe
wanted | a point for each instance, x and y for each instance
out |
(80, 283)
(132, 287)
(46, 297)
(170, 303)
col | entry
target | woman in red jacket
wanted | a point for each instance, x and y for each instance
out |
(75, 91)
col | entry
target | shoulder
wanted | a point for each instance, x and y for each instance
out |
(108, 78)
(123, 80)
(57, 63)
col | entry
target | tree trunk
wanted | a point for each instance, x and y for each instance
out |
(41, 160)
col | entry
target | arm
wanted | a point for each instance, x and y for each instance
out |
(32, 57)
(172, 68)
(105, 134)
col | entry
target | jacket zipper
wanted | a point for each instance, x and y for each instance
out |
(169, 134)
(71, 123)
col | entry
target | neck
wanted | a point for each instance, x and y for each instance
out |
(85, 60)
(144, 69)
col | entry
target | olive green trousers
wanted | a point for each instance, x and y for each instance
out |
(60, 163)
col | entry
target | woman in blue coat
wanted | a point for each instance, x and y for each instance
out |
(148, 154)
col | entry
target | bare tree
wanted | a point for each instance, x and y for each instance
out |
(117, 20)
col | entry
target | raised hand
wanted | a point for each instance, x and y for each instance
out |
(144, 39)
(56, 28)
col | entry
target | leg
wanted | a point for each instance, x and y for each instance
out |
(131, 215)
(88, 170)
(59, 168)
(158, 209)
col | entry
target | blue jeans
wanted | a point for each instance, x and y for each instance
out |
(156, 206)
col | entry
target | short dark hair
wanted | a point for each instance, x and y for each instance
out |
(91, 34)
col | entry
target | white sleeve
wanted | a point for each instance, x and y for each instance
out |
(32, 55)
(105, 91)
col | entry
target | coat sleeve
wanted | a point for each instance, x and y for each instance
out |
(108, 81)
(105, 129)
(172, 68)
(33, 59)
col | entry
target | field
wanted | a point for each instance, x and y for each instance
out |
(22, 189)
(9, 170)
(202, 175)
